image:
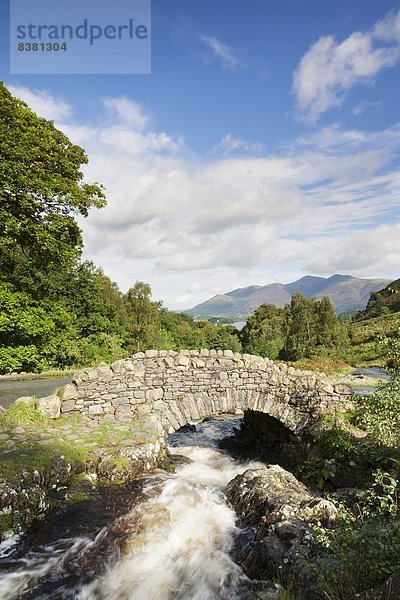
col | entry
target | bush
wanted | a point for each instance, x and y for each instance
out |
(379, 414)
(363, 550)
(20, 358)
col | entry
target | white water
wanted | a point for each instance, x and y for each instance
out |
(46, 560)
(179, 536)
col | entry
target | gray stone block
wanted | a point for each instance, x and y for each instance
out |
(49, 406)
(68, 406)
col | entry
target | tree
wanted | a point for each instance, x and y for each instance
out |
(181, 331)
(84, 325)
(143, 319)
(219, 337)
(54, 310)
(300, 327)
(42, 191)
(312, 328)
(264, 332)
(35, 335)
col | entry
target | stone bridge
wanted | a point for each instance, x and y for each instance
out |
(174, 388)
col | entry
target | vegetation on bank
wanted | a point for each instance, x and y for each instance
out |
(382, 303)
(52, 463)
(367, 340)
(309, 334)
(362, 550)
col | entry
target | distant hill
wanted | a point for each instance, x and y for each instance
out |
(346, 293)
(383, 302)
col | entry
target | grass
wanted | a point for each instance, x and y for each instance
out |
(285, 595)
(366, 349)
(23, 414)
(321, 364)
(6, 521)
(29, 455)
(287, 592)
(79, 496)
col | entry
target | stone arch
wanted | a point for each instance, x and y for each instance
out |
(174, 388)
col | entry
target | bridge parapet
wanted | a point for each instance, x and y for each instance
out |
(174, 388)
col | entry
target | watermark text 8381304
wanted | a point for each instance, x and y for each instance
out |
(42, 47)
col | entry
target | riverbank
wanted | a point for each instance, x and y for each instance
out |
(43, 375)
(47, 463)
(351, 459)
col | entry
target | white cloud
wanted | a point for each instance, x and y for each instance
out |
(43, 102)
(363, 106)
(221, 51)
(127, 111)
(247, 216)
(194, 227)
(329, 69)
(370, 252)
(230, 145)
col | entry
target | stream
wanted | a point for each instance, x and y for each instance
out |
(167, 536)
(368, 390)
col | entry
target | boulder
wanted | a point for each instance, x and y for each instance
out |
(49, 406)
(275, 510)
(68, 392)
(25, 400)
(60, 473)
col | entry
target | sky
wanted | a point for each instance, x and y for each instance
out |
(263, 146)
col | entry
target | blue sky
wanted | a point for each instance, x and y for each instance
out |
(263, 146)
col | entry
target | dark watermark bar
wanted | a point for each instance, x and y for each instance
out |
(80, 37)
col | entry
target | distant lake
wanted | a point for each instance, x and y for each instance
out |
(240, 324)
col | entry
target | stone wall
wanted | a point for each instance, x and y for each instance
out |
(174, 388)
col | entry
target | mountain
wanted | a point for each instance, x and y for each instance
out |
(346, 293)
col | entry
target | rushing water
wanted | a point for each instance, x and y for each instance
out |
(172, 543)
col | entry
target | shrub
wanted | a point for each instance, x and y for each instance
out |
(379, 414)
(363, 550)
